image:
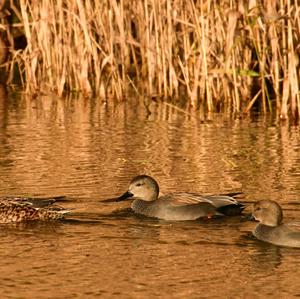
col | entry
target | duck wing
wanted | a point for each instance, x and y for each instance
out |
(187, 198)
(293, 226)
(180, 199)
(223, 204)
(33, 202)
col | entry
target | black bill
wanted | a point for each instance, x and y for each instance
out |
(125, 196)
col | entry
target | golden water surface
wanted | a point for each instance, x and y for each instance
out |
(90, 150)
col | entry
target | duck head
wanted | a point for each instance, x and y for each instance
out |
(267, 212)
(143, 187)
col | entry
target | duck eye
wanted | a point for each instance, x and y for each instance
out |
(139, 184)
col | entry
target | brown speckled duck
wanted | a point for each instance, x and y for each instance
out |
(18, 209)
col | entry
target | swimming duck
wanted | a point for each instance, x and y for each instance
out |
(144, 191)
(17, 209)
(270, 228)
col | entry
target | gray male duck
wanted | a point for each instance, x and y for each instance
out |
(144, 191)
(18, 209)
(271, 229)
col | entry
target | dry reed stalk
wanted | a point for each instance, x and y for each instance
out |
(217, 55)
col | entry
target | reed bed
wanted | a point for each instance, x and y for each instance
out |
(226, 55)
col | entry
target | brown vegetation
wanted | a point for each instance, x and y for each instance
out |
(232, 56)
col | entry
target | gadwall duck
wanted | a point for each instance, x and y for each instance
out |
(17, 209)
(144, 191)
(270, 228)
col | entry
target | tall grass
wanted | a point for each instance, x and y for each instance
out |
(234, 56)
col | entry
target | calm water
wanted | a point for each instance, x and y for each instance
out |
(89, 151)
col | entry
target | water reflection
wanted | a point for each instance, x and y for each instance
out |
(89, 151)
(266, 258)
(93, 140)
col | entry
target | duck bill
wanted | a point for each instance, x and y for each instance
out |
(126, 196)
(250, 217)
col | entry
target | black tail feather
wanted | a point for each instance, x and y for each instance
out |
(231, 210)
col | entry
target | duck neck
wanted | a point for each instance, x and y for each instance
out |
(263, 228)
(140, 206)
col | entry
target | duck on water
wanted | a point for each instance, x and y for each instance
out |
(18, 209)
(144, 191)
